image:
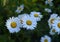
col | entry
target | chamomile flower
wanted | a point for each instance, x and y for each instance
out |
(36, 15)
(56, 25)
(45, 39)
(49, 2)
(20, 17)
(29, 22)
(51, 19)
(53, 31)
(48, 10)
(13, 25)
(20, 8)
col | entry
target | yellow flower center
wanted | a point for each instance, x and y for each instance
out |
(13, 24)
(19, 8)
(51, 21)
(35, 15)
(53, 30)
(28, 22)
(45, 40)
(58, 25)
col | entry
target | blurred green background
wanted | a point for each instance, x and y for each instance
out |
(7, 9)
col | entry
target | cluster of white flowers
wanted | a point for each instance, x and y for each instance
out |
(28, 21)
(54, 24)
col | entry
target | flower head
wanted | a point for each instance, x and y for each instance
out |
(45, 39)
(20, 8)
(13, 24)
(28, 22)
(49, 2)
(51, 19)
(36, 15)
(53, 31)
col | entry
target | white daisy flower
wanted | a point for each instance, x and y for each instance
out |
(49, 2)
(20, 17)
(36, 15)
(56, 25)
(51, 19)
(45, 39)
(53, 31)
(13, 25)
(20, 8)
(29, 22)
(48, 10)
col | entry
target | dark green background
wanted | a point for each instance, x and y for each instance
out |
(25, 35)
